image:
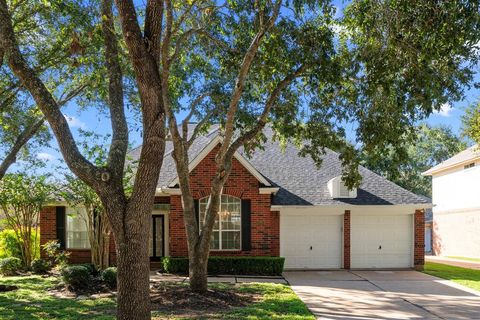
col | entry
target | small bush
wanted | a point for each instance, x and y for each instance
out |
(55, 255)
(268, 266)
(175, 265)
(109, 276)
(90, 267)
(40, 266)
(76, 277)
(10, 266)
(11, 245)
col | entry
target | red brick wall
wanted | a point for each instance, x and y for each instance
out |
(48, 225)
(346, 240)
(48, 231)
(242, 184)
(419, 246)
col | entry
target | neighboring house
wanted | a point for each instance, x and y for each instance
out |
(456, 205)
(277, 203)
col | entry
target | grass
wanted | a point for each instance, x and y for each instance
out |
(279, 302)
(32, 301)
(466, 277)
(465, 258)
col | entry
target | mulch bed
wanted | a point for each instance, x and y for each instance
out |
(96, 289)
(177, 299)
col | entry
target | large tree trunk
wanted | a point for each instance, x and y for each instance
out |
(133, 270)
(199, 242)
(197, 269)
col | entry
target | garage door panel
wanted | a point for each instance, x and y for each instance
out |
(311, 241)
(381, 241)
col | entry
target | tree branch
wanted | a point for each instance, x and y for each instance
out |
(28, 133)
(153, 27)
(262, 119)
(119, 145)
(44, 99)
(242, 75)
(191, 113)
(144, 65)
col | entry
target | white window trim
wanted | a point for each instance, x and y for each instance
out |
(68, 217)
(220, 230)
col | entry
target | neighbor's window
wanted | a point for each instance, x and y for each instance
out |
(227, 227)
(76, 229)
(470, 165)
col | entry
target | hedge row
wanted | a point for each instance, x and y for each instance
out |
(267, 266)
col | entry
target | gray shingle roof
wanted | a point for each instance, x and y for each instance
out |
(300, 182)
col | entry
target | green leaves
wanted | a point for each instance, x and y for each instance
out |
(471, 123)
(20, 190)
(429, 147)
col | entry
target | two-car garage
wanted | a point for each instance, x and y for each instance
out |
(314, 238)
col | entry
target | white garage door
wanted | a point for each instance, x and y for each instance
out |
(311, 241)
(381, 241)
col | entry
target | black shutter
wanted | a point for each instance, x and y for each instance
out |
(246, 225)
(196, 205)
(60, 223)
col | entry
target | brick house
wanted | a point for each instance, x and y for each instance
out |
(275, 203)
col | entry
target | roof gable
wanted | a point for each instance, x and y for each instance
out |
(209, 148)
(461, 158)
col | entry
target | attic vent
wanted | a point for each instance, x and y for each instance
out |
(338, 189)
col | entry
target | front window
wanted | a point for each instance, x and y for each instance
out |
(76, 229)
(227, 227)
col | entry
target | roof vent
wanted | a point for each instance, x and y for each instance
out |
(338, 189)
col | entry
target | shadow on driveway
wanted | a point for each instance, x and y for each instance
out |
(383, 295)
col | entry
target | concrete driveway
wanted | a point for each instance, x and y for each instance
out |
(383, 295)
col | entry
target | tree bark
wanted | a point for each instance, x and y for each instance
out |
(132, 260)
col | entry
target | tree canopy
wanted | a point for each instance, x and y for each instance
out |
(471, 123)
(381, 67)
(431, 146)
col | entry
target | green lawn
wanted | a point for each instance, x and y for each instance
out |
(467, 277)
(465, 258)
(31, 301)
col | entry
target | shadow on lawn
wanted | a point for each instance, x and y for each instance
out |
(42, 306)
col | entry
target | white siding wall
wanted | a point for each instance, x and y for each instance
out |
(456, 212)
(457, 234)
(456, 189)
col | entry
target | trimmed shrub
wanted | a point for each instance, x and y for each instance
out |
(109, 276)
(267, 266)
(90, 267)
(76, 277)
(175, 265)
(9, 266)
(40, 266)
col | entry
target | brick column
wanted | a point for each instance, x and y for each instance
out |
(419, 246)
(48, 227)
(346, 240)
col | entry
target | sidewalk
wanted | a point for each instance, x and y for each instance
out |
(454, 262)
(158, 277)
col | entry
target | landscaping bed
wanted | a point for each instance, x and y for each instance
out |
(37, 298)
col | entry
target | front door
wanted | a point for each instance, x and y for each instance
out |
(156, 240)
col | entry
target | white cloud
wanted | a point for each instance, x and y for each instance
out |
(445, 110)
(74, 122)
(45, 156)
